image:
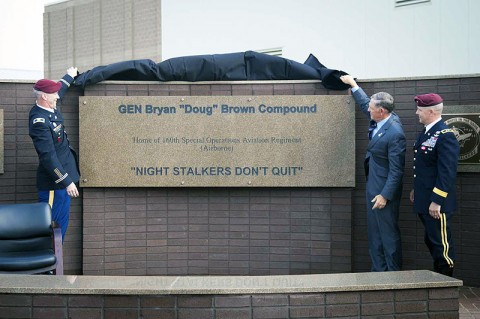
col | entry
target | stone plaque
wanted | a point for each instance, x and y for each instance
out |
(2, 150)
(217, 141)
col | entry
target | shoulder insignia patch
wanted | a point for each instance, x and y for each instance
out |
(39, 120)
(447, 130)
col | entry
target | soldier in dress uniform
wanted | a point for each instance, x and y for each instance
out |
(58, 169)
(436, 153)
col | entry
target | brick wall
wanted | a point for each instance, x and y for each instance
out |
(233, 231)
(412, 303)
(206, 231)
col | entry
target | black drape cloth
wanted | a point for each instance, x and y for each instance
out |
(241, 66)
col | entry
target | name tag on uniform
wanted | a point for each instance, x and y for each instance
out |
(39, 120)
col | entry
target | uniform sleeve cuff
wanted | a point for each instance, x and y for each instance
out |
(439, 192)
(67, 78)
(437, 199)
(67, 181)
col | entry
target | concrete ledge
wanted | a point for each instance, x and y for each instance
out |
(218, 285)
(406, 294)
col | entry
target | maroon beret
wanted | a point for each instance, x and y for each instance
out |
(47, 86)
(429, 99)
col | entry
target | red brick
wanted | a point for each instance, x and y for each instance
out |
(85, 313)
(376, 296)
(195, 313)
(369, 309)
(15, 300)
(15, 312)
(411, 294)
(443, 305)
(49, 313)
(307, 312)
(85, 301)
(270, 312)
(443, 293)
(232, 301)
(50, 300)
(342, 310)
(411, 306)
(158, 313)
(233, 313)
(195, 301)
(342, 298)
(121, 313)
(121, 301)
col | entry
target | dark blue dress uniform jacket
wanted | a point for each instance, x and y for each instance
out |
(58, 164)
(435, 168)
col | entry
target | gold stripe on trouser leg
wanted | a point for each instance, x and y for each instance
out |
(443, 231)
(50, 198)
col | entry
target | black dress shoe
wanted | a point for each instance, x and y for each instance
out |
(446, 270)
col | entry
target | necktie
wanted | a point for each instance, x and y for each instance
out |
(373, 125)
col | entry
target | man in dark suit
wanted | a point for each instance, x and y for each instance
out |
(58, 170)
(436, 154)
(384, 167)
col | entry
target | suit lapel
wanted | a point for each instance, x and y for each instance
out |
(381, 132)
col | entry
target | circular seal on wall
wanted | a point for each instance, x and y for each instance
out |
(467, 133)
